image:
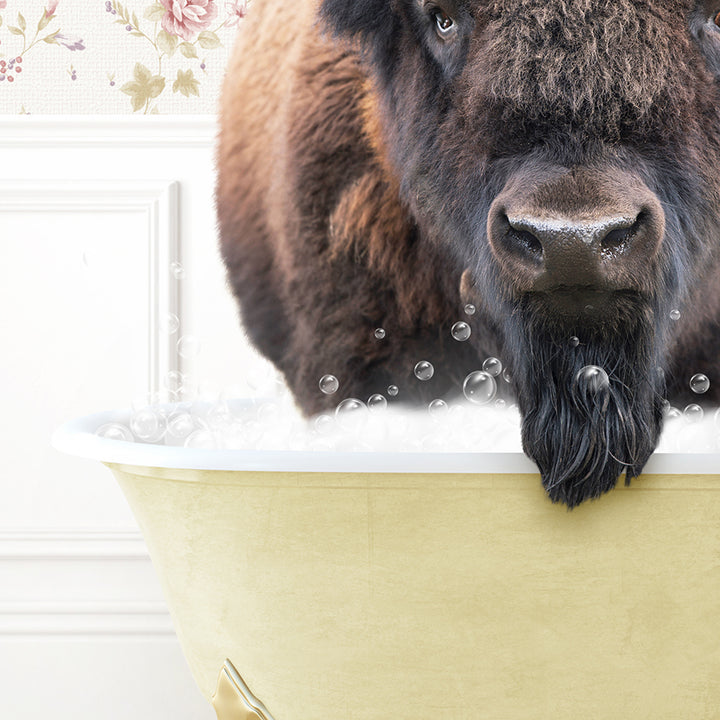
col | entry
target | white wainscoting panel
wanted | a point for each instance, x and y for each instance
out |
(85, 632)
(94, 211)
(86, 270)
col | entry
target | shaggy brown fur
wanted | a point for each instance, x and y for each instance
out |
(359, 157)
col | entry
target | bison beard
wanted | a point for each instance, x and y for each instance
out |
(582, 440)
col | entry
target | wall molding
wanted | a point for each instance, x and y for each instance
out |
(77, 556)
(48, 619)
(184, 131)
(158, 200)
(39, 544)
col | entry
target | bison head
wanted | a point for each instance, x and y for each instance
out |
(565, 156)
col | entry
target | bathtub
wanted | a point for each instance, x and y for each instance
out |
(416, 586)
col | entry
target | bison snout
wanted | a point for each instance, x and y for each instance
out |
(570, 233)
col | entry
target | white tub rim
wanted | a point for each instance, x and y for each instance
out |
(77, 437)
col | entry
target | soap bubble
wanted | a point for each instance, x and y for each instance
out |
(147, 424)
(180, 425)
(392, 390)
(177, 270)
(574, 341)
(500, 404)
(699, 383)
(351, 414)
(592, 379)
(323, 424)
(115, 431)
(461, 331)
(174, 381)
(438, 408)
(492, 366)
(329, 384)
(202, 439)
(379, 333)
(674, 314)
(693, 413)
(219, 416)
(479, 387)
(424, 370)
(170, 323)
(376, 402)
(506, 376)
(188, 346)
(187, 389)
(671, 413)
(469, 309)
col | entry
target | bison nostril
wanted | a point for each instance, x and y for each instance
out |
(528, 242)
(618, 239)
(522, 241)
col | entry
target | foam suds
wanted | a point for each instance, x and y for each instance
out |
(275, 424)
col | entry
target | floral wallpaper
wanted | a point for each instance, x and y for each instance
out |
(111, 57)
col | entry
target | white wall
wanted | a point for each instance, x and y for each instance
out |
(93, 210)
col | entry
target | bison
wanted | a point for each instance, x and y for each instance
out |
(381, 163)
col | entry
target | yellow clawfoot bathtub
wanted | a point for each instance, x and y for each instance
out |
(415, 594)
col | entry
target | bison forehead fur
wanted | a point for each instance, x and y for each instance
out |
(383, 162)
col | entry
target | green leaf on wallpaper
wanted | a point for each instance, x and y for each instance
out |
(137, 97)
(135, 33)
(21, 22)
(186, 84)
(15, 31)
(209, 40)
(122, 12)
(141, 73)
(44, 21)
(154, 13)
(156, 85)
(166, 42)
(188, 50)
(144, 87)
(1, 21)
(50, 39)
(136, 22)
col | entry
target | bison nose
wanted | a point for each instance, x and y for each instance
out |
(609, 247)
(569, 251)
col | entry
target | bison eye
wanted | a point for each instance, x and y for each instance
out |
(445, 24)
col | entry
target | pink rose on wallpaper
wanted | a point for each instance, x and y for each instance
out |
(236, 10)
(51, 7)
(3, 4)
(186, 18)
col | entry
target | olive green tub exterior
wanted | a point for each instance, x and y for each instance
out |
(412, 596)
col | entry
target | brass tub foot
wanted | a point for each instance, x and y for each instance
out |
(233, 700)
